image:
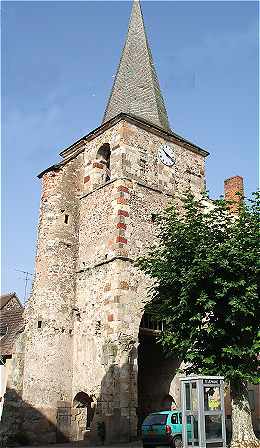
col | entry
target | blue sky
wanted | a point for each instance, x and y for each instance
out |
(58, 62)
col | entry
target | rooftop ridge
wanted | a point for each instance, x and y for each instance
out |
(136, 88)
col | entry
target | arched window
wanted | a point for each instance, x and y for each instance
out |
(103, 156)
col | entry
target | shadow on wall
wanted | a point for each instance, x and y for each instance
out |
(22, 424)
(113, 416)
(129, 394)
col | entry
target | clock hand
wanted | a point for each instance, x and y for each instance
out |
(170, 157)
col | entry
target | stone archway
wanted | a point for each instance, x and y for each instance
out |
(158, 387)
(168, 402)
(83, 407)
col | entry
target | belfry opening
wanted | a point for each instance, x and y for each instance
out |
(158, 385)
(103, 156)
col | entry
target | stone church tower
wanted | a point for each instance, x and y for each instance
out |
(90, 355)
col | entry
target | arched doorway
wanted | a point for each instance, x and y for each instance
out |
(83, 412)
(157, 382)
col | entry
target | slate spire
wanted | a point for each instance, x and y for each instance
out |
(136, 89)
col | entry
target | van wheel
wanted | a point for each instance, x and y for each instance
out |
(147, 446)
(177, 442)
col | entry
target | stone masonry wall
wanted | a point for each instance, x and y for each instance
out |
(83, 318)
(105, 338)
(145, 187)
(134, 154)
(116, 226)
(140, 160)
(49, 324)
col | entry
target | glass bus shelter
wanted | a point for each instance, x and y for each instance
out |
(203, 413)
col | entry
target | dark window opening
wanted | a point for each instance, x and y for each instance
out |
(39, 323)
(66, 219)
(98, 327)
(143, 165)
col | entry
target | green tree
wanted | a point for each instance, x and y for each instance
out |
(205, 267)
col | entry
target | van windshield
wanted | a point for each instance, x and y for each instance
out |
(155, 419)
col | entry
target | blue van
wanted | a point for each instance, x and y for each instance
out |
(163, 428)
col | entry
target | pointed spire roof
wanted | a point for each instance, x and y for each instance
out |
(136, 89)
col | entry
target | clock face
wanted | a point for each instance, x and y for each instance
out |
(166, 155)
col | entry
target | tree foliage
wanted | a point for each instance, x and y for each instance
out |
(205, 267)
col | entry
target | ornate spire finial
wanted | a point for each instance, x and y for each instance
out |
(136, 87)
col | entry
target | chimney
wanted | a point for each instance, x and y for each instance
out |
(234, 185)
